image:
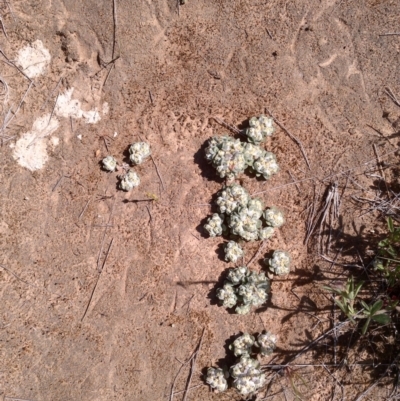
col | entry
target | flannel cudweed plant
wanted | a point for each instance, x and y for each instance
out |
(129, 181)
(279, 264)
(245, 375)
(139, 152)
(214, 225)
(109, 163)
(244, 289)
(233, 252)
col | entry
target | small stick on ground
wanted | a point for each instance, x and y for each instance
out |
(98, 278)
(390, 34)
(257, 253)
(295, 183)
(293, 137)
(158, 172)
(226, 125)
(19, 278)
(269, 33)
(84, 209)
(114, 27)
(15, 66)
(392, 96)
(7, 122)
(105, 232)
(381, 169)
(51, 94)
(57, 183)
(192, 369)
(3, 27)
(151, 97)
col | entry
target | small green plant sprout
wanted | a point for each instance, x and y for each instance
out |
(267, 343)
(346, 297)
(216, 379)
(260, 128)
(226, 155)
(244, 289)
(279, 264)
(232, 197)
(109, 163)
(227, 294)
(266, 165)
(139, 152)
(233, 252)
(247, 375)
(129, 181)
(243, 345)
(266, 233)
(214, 225)
(374, 313)
(274, 217)
(387, 260)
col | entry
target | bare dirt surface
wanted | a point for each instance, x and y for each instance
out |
(103, 295)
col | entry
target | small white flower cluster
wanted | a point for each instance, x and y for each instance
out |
(260, 128)
(246, 374)
(279, 264)
(139, 152)
(214, 225)
(243, 216)
(233, 252)
(231, 157)
(244, 289)
(216, 379)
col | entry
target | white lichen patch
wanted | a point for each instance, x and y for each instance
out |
(68, 107)
(31, 149)
(33, 59)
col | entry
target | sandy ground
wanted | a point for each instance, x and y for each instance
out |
(69, 332)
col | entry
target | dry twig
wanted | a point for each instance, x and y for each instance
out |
(293, 137)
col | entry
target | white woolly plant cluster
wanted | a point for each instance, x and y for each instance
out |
(243, 215)
(279, 264)
(139, 151)
(233, 252)
(216, 379)
(243, 289)
(230, 157)
(109, 163)
(259, 129)
(214, 225)
(246, 375)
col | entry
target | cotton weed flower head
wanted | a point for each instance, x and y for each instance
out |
(242, 345)
(227, 295)
(274, 217)
(253, 294)
(238, 275)
(256, 206)
(139, 152)
(214, 225)
(267, 343)
(226, 155)
(259, 129)
(243, 309)
(109, 163)
(233, 252)
(248, 376)
(245, 224)
(266, 165)
(129, 180)
(265, 233)
(279, 263)
(251, 153)
(216, 379)
(232, 197)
